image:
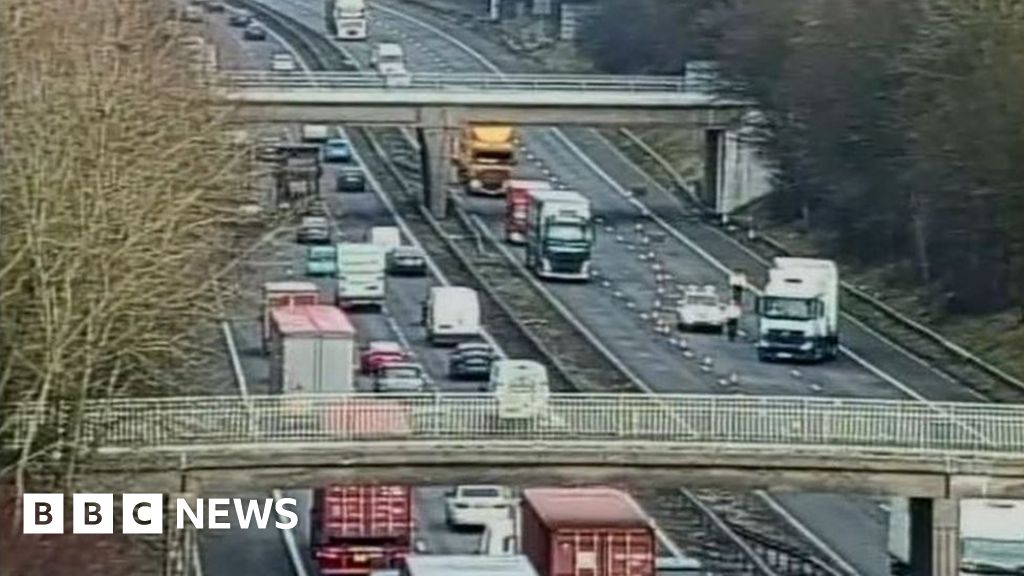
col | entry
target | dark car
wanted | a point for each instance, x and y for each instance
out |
(254, 32)
(350, 180)
(240, 19)
(213, 6)
(471, 361)
(406, 261)
(268, 148)
(314, 230)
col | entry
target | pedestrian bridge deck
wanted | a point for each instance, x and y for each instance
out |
(913, 448)
(428, 99)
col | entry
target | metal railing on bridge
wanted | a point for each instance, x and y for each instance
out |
(454, 81)
(841, 426)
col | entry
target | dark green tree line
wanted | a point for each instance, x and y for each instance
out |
(895, 124)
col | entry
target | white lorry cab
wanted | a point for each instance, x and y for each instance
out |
(361, 276)
(798, 312)
(388, 59)
(347, 19)
(387, 237)
(521, 387)
(451, 315)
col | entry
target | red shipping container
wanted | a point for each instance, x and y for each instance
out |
(358, 529)
(586, 532)
(516, 202)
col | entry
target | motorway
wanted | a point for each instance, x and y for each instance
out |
(258, 552)
(611, 306)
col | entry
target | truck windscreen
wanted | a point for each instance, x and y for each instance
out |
(492, 157)
(788, 308)
(567, 233)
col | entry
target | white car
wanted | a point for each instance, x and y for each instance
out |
(479, 505)
(283, 62)
(701, 307)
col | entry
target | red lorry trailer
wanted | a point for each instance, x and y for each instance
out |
(357, 529)
(586, 532)
(516, 201)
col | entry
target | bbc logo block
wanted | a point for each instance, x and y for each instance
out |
(144, 513)
(93, 513)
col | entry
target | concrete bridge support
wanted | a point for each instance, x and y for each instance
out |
(735, 173)
(934, 537)
(436, 162)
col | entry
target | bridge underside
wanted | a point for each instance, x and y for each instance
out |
(228, 468)
(448, 116)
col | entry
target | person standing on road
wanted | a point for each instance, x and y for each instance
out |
(733, 311)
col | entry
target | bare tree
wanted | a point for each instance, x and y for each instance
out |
(118, 213)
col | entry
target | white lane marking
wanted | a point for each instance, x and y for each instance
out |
(236, 363)
(291, 545)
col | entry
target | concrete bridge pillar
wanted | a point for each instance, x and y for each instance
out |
(436, 162)
(434, 136)
(934, 537)
(735, 173)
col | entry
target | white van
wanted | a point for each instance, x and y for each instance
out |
(521, 387)
(388, 59)
(451, 315)
(315, 132)
(387, 237)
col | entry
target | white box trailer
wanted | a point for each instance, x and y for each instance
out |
(466, 565)
(452, 315)
(313, 350)
(387, 237)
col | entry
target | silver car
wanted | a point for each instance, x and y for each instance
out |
(400, 377)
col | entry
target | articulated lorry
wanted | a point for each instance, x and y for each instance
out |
(361, 275)
(355, 530)
(347, 19)
(559, 235)
(484, 157)
(991, 537)
(798, 313)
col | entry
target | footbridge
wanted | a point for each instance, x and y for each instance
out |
(438, 104)
(432, 100)
(873, 446)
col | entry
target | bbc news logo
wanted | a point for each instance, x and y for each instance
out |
(144, 513)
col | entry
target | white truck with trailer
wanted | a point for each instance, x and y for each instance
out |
(347, 19)
(560, 235)
(451, 315)
(521, 387)
(991, 536)
(361, 275)
(798, 312)
(312, 350)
